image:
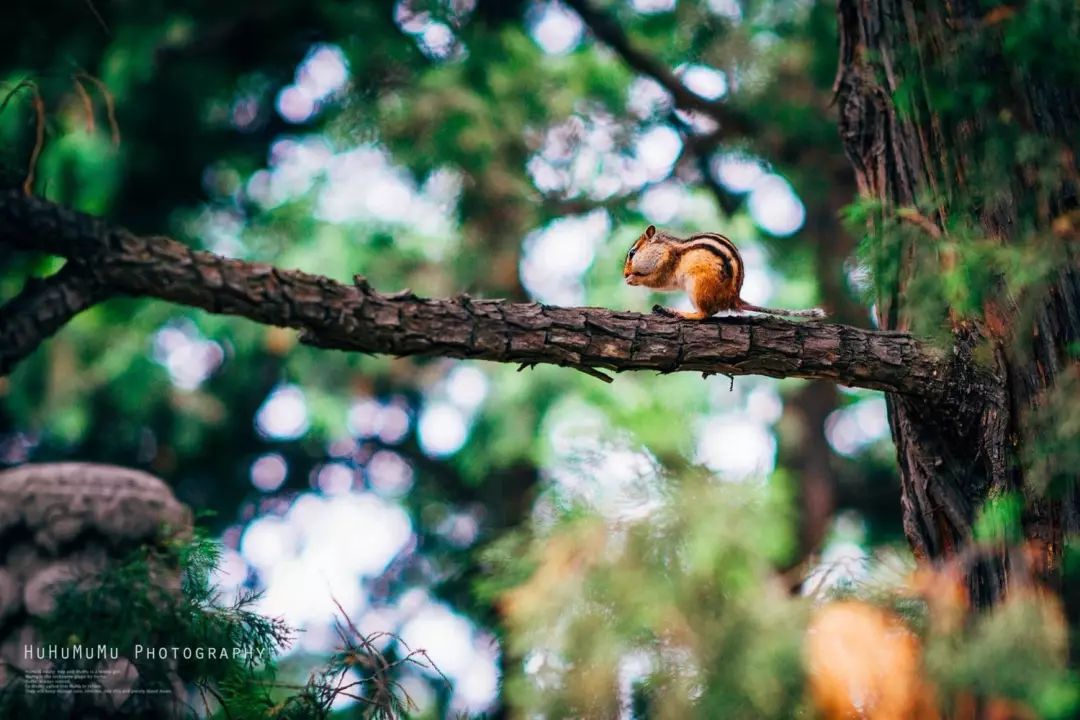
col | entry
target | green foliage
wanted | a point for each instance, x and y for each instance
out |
(675, 611)
(1052, 452)
(1017, 650)
(1041, 38)
(679, 613)
(162, 598)
(182, 78)
(999, 520)
(995, 193)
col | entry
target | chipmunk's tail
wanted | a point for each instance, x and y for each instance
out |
(816, 313)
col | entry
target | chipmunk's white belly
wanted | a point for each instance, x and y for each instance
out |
(679, 281)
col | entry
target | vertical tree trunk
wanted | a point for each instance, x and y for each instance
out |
(935, 114)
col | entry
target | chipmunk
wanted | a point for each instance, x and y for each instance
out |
(706, 265)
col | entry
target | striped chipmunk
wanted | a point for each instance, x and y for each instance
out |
(706, 265)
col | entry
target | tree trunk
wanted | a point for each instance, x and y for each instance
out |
(935, 113)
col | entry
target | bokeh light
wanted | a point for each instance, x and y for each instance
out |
(467, 386)
(851, 429)
(775, 207)
(736, 449)
(319, 550)
(189, 358)
(555, 258)
(730, 9)
(322, 74)
(442, 429)
(466, 656)
(436, 39)
(284, 414)
(589, 465)
(658, 148)
(269, 471)
(554, 27)
(389, 474)
(664, 202)
(648, 98)
(737, 173)
(653, 6)
(335, 478)
(707, 82)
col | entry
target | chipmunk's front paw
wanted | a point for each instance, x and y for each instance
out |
(666, 312)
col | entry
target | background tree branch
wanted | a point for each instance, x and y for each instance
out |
(774, 141)
(607, 30)
(355, 317)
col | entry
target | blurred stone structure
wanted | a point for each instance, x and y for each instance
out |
(63, 523)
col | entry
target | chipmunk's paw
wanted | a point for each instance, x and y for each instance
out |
(666, 312)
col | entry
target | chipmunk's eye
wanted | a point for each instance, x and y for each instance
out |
(630, 255)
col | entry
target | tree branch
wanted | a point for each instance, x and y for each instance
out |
(42, 308)
(607, 30)
(776, 144)
(356, 318)
(702, 148)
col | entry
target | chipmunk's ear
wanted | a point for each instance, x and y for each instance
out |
(649, 232)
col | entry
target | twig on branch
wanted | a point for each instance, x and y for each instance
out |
(98, 17)
(39, 126)
(87, 103)
(39, 141)
(107, 97)
(355, 318)
(593, 372)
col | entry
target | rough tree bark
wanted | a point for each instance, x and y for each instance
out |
(919, 155)
(356, 318)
